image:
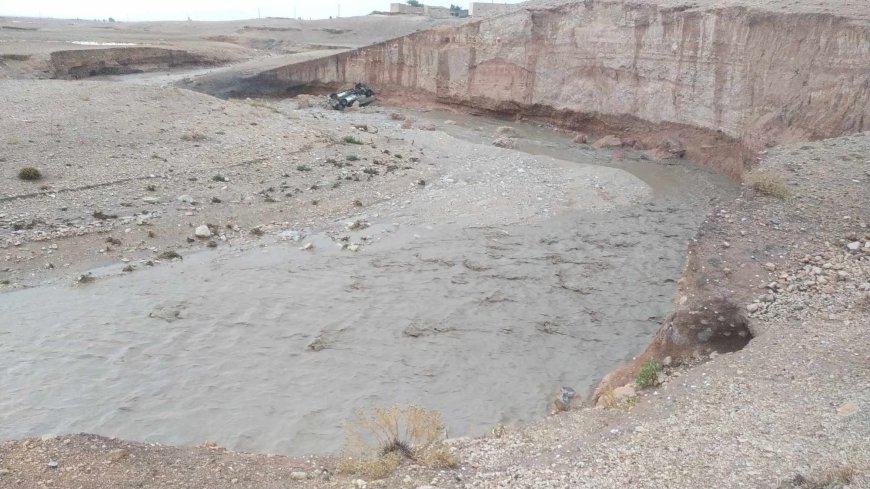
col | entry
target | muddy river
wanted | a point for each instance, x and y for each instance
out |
(452, 303)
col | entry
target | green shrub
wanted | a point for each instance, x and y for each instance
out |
(352, 157)
(303, 168)
(648, 375)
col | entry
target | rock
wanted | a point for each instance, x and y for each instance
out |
(151, 200)
(854, 246)
(563, 398)
(52, 464)
(353, 247)
(607, 142)
(4, 472)
(503, 142)
(667, 361)
(426, 126)
(355, 225)
(359, 484)
(581, 138)
(168, 312)
(396, 116)
(506, 131)
(307, 247)
(299, 475)
(407, 124)
(673, 148)
(624, 393)
(187, 199)
(848, 409)
(753, 307)
(202, 232)
(449, 122)
(118, 454)
(770, 266)
(291, 234)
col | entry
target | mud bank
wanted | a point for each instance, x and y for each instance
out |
(83, 63)
(732, 80)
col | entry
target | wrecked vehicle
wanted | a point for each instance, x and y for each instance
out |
(360, 93)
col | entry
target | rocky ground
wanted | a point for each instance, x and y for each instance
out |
(121, 192)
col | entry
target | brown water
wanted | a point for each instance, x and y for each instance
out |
(272, 349)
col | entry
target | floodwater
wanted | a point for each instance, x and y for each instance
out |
(272, 349)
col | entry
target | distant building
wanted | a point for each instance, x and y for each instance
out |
(431, 11)
(404, 8)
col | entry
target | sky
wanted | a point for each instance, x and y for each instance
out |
(141, 10)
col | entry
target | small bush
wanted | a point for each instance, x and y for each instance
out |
(371, 171)
(219, 178)
(648, 375)
(352, 157)
(831, 478)
(303, 168)
(766, 183)
(352, 140)
(29, 173)
(379, 441)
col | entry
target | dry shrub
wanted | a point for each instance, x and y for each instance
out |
(832, 478)
(29, 173)
(378, 442)
(766, 183)
(261, 104)
(407, 124)
(396, 116)
(607, 398)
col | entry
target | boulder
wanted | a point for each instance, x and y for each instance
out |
(609, 141)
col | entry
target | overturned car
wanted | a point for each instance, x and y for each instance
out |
(360, 94)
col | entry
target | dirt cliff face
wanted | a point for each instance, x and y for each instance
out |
(734, 74)
(82, 63)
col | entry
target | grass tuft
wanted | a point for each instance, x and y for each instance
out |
(352, 140)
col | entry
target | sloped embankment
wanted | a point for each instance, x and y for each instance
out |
(726, 82)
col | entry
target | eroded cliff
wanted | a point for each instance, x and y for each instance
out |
(726, 81)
